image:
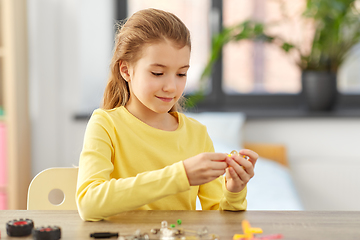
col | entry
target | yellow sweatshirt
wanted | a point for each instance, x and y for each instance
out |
(126, 164)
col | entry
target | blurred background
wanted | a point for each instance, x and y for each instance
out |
(54, 64)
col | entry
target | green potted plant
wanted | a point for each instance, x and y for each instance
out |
(337, 30)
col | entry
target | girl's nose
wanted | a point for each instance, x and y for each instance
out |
(170, 84)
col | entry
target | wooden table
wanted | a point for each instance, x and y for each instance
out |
(304, 225)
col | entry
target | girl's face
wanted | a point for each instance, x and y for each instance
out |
(158, 78)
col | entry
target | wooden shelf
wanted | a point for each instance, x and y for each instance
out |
(14, 98)
(3, 189)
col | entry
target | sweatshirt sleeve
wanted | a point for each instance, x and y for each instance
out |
(100, 196)
(215, 196)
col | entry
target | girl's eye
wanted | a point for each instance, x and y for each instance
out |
(156, 74)
(182, 74)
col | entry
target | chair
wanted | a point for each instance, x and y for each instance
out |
(53, 189)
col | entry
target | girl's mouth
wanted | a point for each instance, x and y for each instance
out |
(164, 99)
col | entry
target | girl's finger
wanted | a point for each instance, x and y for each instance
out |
(216, 156)
(253, 156)
(235, 165)
(235, 177)
(227, 174)
(240, 171)
(218, 165)
(218, 173)
(247, 165)
(244, 176)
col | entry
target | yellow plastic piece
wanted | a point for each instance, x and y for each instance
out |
(234, 152)
(248, 231)
(63, 180)
(238, 236)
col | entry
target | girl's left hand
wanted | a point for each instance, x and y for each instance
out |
(240, 170)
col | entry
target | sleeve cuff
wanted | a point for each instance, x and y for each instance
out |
(236, 200)
(183, 179)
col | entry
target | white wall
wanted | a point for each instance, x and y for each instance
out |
(70, 45)
(324, 157)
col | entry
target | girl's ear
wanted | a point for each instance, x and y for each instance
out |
(124, 70)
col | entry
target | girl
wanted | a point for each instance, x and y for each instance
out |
(139, 152)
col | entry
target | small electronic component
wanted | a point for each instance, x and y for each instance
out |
(136, 236)
(19, 228)
(104, 235)
(166, 233)
(47, 233)
(234, 152)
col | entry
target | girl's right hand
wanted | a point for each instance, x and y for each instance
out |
(205, 167)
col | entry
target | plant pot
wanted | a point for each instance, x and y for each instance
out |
(319, 90)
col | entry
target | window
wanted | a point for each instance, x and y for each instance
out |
(250, 75)
(258, 76)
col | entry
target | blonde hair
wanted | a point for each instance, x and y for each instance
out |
(143, 27)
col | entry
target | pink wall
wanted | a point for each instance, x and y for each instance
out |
(3, 176)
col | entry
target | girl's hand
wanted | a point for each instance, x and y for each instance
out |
(205, 167)
(240, 170)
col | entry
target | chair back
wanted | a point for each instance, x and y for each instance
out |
(53, 189)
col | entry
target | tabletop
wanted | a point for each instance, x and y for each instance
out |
(292, 225)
